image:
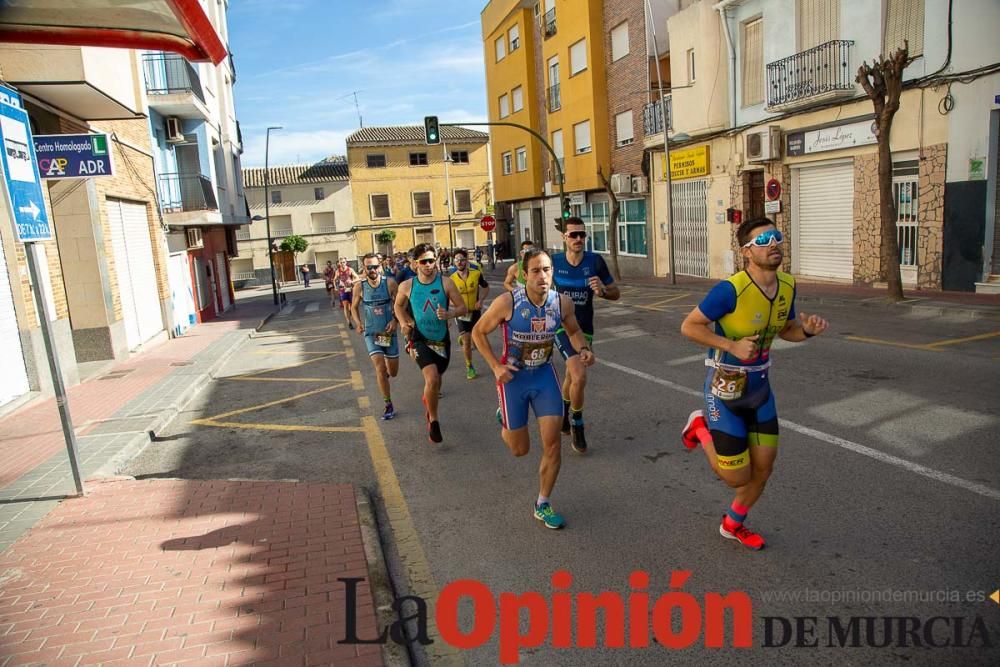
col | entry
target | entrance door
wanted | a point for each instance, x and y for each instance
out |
(13, 376)
(690, 212)
(223, 273)
(755, 185)
(133, 251)
(824, 244)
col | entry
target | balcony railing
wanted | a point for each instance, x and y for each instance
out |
(243, 234)
(555, 101)
(168, 73)
(280, 232)
(822, 69)
(187, 192)
(652, 119)
(549, 23)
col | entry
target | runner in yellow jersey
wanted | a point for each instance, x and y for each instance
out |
(474, 290)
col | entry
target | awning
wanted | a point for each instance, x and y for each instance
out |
(180, 26)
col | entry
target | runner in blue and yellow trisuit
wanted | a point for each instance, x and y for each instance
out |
(740, 436)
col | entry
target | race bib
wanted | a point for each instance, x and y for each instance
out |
(729, 385)
(534, 355)
(383, 339)
(438, 348)
(378, 310)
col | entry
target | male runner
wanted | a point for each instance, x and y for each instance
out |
(579, 274)
(345, 279)
(515, 274)
(530, 317)
(474, 289)
(749, 309)
(422, 308)
(378, 326)
(329, 277)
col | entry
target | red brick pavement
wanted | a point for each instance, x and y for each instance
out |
(29, 436)
(164, 572)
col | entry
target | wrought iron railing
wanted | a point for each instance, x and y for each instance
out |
(821, 69)
(170, 73)
(550, 22)
(187, 192)
(652, 119)
(555, 101)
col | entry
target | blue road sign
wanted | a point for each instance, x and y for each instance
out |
(73, 155)
(20, 171)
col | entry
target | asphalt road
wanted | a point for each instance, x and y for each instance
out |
(884, 501)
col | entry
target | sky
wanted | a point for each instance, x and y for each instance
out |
(298, 63)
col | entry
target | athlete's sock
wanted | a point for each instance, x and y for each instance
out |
(541, 499)
(735, 516)
(387, 399)
(576, 416)
(565, 406)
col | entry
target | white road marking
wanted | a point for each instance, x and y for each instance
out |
(924, 471)
(287, 310)
(312, 307)
(686, 360)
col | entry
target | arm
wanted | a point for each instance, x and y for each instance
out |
(391, 327)
(498, 312)
(484, 291)
(696, 328)
(451, 290)
(802, 327)
(603, 284)
(406, 322)
(356, 308)
(573, 330)
(509, 282)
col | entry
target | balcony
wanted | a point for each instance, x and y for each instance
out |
(243, 233)
(188, 199)
(549, 22)
(822, 73)
(173, 86)
(652, 119)
(555, 101)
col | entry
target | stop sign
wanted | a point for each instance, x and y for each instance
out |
(488, 223)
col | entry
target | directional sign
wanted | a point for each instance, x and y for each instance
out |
(73, 155)
(20, 171)
(488, 223)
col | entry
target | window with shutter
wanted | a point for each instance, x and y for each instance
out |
(623, 128)
(379, 206)
(421, 203)
(463, 201)
(517, 98)
(904, 21)
(619, 41)
(819, 22)
(753, 62)
(578, 57)
(581, 135)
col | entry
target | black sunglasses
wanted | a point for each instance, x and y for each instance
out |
(577, 235)
(372, 267)
(427, 260)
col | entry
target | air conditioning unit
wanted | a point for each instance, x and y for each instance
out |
(621, 184)
(640, 185)
(764, 145)
(194, 237)
(174, 131)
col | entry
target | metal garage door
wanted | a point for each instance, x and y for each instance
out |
(13, 377)
(825, 234)
(690, 210)
(133, 250)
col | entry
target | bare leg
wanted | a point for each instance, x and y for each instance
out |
(382, 375)
(575, 382)
(548, 469)
(432, 386)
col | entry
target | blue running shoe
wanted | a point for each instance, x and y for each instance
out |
(548, 516)
(389, 413)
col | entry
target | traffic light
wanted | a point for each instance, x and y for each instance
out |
(565, 209)
(431, 132)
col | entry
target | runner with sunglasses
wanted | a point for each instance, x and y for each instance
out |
(579, 274)
(750, 308)
(377, 292)
(423, 310)
(472, 285)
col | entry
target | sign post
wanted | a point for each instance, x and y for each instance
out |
(488, 223)
(23, 196)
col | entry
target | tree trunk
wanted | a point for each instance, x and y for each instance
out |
(612, 225)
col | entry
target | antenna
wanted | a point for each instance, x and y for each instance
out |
(358, 109)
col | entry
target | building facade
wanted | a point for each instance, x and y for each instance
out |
(312, 201)
(423, 193)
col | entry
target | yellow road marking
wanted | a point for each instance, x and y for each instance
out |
(292, 331)
(255, 374)
(293, 352)
(955, 341)
(278, 427)
(357, 384)
(878, 341)
(269, 404)
(243, 378)
(663, 301)
(364, 403)
(663, 309)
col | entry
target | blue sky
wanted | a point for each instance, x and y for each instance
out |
(298, 61)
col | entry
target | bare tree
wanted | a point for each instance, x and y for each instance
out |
(883, 82)
(613, 224)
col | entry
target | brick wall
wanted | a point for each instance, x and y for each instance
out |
(627, 81)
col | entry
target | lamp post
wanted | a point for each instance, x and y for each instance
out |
(447, 195)
(670, 192)
(267, 210)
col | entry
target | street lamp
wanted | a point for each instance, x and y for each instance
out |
(267, 210)
(447, 194)
(670, 192)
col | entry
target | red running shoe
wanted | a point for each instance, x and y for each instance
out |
(744, 535)
(696, 420)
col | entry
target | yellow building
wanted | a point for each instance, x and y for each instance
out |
(545, 68)
(425, 194)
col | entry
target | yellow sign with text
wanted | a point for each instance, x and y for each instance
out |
(688, 163)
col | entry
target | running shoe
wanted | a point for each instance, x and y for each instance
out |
(579, 441)
(743, 535)
(696, 421)
(470, 373)
(389, 413)
(434, 431)
(548, 516)
(350, 325)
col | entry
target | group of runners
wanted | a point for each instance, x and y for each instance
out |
(547, 306)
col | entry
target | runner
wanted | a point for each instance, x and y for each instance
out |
(740, 437)
(515, 274)
(579, 274)
(378, 326)
(422, 308)
(345, 279)
(530, 317)
(330, 277)
(474, 289)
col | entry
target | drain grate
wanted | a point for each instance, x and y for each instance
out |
(116, 375)
(182, 363)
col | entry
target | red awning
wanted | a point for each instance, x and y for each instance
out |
(180, 26)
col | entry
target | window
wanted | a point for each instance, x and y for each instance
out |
(517, 98)
(463, 201)
(623, 128)
(753, 62)
(501, 52)
(418, 159)
(904, 20)
(619, 41)
(275, 196)
(424, 235)
(504, 106)
(557, 148)
(522, 159)
(819, 22)
(514, 36)
(507, 162)
(578, 57)
(379, 205)
(421, 203)
(376, 160)
(581, 137)
(460, 157)
(632, 227)
(690, 64)
(597, 226)
(318, 194)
